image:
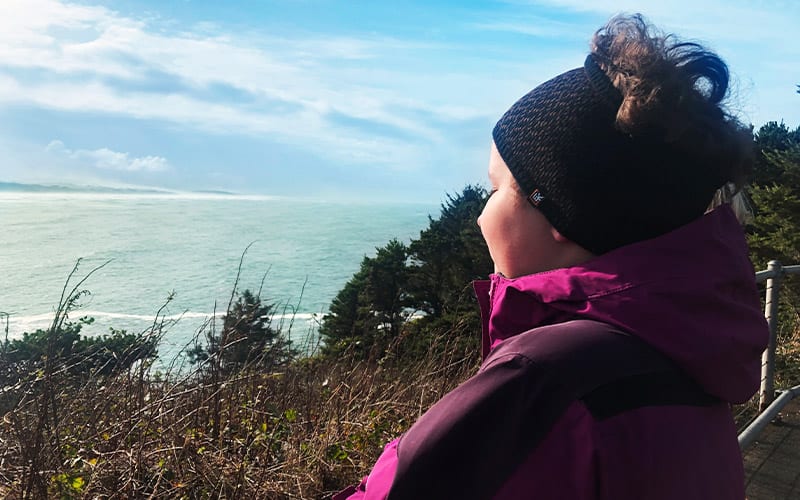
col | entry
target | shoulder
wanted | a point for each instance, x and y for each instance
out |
(504, 411)
(606, 369)
(470, 442)
(574, 351)
(559, 342)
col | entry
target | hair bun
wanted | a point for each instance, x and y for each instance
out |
(673, 91)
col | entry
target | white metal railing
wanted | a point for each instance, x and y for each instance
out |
(768, 404)
(756, 426)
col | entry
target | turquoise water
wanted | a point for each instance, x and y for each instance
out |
(189, 244)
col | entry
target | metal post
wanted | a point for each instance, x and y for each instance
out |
(767, 392)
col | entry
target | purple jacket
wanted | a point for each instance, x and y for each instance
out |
(608, 380)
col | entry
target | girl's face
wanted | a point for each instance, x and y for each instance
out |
(520, 239)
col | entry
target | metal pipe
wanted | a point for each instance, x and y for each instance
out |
(756, 426)
(768, 273)
(767, 391)
(764, 275)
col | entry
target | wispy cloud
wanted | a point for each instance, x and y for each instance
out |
(96, 60)
(536, 26)
(332, 99)
(107, 159)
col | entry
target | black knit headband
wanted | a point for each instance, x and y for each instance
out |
(600, 83)
(597, 186)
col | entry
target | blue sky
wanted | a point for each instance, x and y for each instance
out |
(319, 98)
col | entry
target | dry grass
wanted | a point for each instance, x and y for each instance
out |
(305, 432)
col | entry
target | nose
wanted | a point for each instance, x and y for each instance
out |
(478, 220)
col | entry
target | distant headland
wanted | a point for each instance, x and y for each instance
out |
(18, 187)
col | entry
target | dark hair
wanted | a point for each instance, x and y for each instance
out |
(675, 91)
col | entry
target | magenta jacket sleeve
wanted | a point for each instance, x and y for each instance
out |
(376, 485)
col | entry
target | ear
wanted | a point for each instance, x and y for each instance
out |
(576, 253)
(558, 237)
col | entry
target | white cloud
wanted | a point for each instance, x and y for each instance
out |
(301, 88)
(534, 26)
(92, 44)
(107, 159)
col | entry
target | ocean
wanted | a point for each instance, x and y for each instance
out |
(189, 245)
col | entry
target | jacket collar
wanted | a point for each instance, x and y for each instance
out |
(689, 293)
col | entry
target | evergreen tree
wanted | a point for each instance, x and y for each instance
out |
(419, 290)
(775, 145)
(385, 288)
(448, 255)
(345, 322)
(247, 337)
(369, 312)
(775, 230)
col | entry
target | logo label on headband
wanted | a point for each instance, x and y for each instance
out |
(536, 198)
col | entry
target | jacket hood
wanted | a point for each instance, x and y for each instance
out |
(691, 294)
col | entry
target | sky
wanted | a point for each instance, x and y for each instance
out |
(373, 100)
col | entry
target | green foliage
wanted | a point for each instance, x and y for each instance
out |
(66, 486)
(449, 254)
(775, 231)
(102, 355)
(447, 257)
(415, 291)
(776, 155)
(371, 308)
(247, 337)
(344, 324)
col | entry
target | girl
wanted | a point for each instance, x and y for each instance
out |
(622, 319)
